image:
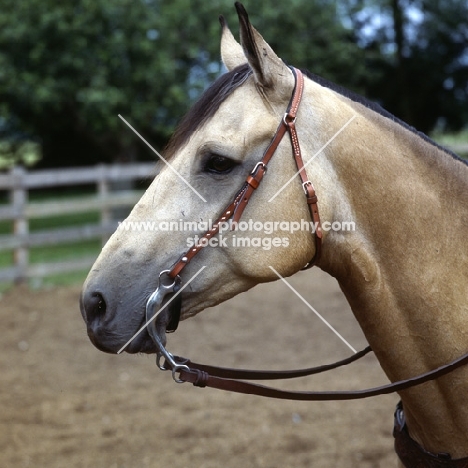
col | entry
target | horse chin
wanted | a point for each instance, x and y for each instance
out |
(141, 343)
(144, 345)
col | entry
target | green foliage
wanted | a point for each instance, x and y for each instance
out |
(70, 68)
(456, 141)
(442, 47)
(67, 69)
(421, 53)
(25, 153)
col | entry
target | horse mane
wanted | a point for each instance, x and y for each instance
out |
(226, 84)
(374, 106)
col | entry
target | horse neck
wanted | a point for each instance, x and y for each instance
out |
(404, 270)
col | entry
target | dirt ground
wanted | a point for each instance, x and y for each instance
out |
(65, 404)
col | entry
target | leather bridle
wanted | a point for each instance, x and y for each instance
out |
(159, 323)
(170, 280)
(236, 380)
(235, 209)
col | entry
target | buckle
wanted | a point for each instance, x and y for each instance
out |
(260, 163)
(304, 185)
(288, 119)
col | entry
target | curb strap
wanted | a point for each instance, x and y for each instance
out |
(242, 198)
(412, 455)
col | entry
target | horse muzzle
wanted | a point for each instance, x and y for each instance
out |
(114, 326)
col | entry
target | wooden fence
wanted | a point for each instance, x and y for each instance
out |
(19, 211)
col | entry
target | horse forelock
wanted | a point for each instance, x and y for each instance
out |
(206, 107)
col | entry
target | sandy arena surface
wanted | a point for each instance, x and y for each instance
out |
(65, 404)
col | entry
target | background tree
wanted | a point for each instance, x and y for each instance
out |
(420, 53)
(68, 69)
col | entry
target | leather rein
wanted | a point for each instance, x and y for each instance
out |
(234, 380)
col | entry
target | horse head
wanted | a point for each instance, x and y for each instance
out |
(213, 150)
(404, 271)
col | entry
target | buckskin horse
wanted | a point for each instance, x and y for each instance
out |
(404, 269)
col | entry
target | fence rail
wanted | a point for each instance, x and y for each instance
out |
(19, 211)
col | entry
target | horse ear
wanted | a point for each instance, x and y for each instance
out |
(232, 53)
(265, 64)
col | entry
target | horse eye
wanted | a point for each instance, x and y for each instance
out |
(219, 165)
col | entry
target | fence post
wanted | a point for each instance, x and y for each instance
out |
(103, 191)
(19, 200)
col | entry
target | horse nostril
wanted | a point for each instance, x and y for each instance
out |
(94, 305)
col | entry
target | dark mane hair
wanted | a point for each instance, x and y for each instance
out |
(223, 87)
(372, 105)
(206, 107)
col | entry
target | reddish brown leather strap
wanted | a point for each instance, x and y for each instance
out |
(311, 196)
(189, 254)
(242, 198)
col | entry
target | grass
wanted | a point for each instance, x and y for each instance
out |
(67, 279)
(65, 252)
